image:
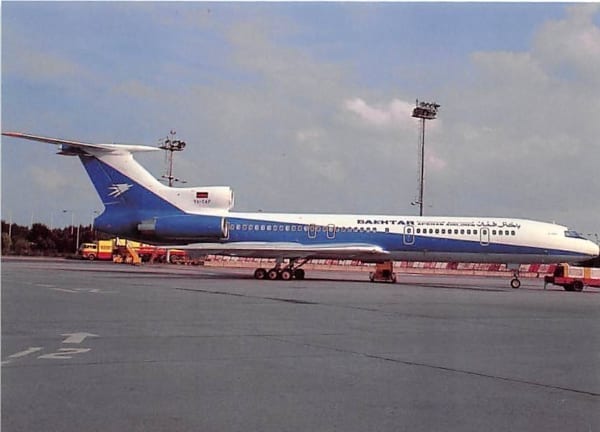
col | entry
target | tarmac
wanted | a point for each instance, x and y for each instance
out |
(105, 347)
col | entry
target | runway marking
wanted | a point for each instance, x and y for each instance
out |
(76, 338)
(65, 290)
(64, 353)
(20, 354)
(61, 354)
(80, 290)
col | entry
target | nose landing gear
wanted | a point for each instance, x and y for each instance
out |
(515, 283)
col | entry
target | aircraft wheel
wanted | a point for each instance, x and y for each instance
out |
(286, 274)
(515, 283)
(372, 277)
(273, 274)
(578, 286)
(260, 273)
(393, 279)
(299, 274)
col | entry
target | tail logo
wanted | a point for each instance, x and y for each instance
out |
(118, 189)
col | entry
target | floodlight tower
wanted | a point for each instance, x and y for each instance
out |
(423, 111)
(171, 145)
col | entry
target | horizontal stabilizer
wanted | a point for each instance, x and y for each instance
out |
(68, 146)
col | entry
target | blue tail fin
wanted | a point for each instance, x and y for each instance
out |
(118, 191)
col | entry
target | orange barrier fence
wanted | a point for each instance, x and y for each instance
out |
(481, 269)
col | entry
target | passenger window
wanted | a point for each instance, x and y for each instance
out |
(513, 233)
(493, 232)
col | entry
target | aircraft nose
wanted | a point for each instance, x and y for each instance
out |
(593, 249)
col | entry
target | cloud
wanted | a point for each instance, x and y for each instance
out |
(49, 180)
(20, 58)
(268, 107)
(571, 44)
(395, 114)
(522, 134)
(433, 161)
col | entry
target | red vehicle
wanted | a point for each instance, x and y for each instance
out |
(573, 278)
(150, 253)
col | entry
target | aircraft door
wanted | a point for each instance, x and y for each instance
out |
(484, 236)
(312, 231)
(227, 227)
(330, 231)
(409, 235)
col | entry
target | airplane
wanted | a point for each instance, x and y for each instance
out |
(200, 219)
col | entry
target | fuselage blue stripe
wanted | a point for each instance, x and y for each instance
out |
(263, 231)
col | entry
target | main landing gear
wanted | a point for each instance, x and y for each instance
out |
(287, 272)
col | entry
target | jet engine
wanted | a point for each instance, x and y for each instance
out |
(185, 227)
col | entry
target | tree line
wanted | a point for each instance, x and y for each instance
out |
(39, 240)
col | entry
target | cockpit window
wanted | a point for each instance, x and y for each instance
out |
(573, 234)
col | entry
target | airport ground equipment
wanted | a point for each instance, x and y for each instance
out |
(573, 278)
(99, 250)
(384, 272)
(128, 251)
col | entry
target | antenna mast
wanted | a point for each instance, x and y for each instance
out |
(171, 145)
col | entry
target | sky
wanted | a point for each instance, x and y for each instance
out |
(306, 107)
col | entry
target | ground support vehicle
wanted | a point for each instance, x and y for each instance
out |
(384, 272)
(131, 252)
(573, 278)
(100, 250)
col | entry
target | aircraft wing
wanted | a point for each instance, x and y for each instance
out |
(360, 251)
(68, 145)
